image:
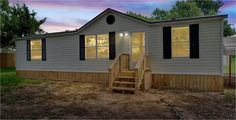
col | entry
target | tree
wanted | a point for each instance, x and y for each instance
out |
(228, 31)
(5, 25)
(208, 7)
(190, 8)
(211, 7)
(140, 16)
(17, 21)
(184, 9)
(160, 14)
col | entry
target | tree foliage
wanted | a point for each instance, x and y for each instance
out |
(160, 14)
(208, 7)
(228, 31)
(140, 16)
(189, 8)
(17, 21)
(184, 9)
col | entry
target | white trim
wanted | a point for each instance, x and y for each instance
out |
(96, 46)
(141, 46)
(177, 42)
(172, 73)
(222, 47)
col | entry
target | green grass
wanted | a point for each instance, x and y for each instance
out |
(9, 80)
(233, 66)
(8, 77)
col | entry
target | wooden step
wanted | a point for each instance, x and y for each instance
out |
(122, 82)
(124, 69)
(123, 88)
(127, 73)
(127, 77)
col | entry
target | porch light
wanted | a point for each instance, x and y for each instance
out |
(121, 34)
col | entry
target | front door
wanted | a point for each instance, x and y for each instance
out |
(137, 47)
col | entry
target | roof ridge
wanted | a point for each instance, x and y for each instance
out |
(112, 10)
(184, 18)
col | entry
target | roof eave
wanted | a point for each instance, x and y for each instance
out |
(191, 18)
(47, 35)
(112, 10)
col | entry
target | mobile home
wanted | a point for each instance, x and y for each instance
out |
(125, 53)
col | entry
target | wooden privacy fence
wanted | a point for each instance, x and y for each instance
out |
(7, 60)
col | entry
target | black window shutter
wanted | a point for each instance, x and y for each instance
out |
(194, 40)
(112, 45)
(28, 51)
(82, 47)
(44, 49)
(167, 42)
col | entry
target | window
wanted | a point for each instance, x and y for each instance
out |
(90, 47)
(36, 49)
(180, 42)
(138, 45)
(103, 46)
(97, 46)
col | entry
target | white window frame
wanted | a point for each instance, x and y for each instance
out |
(141, 46)
(91, 47)
(102, 46)
(96, 46)
(38, 49)
(181, 42)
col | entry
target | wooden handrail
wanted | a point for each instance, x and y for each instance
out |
(116, 67)
(140, 69)
(139, 61)
(116, 59)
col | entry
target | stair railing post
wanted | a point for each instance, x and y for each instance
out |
(136, 81)
(111, 79)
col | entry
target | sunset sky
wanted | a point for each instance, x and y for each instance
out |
(72, 14)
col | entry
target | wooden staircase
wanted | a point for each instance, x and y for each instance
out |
(123, 79)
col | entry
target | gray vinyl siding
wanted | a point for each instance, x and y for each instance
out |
(121, 25)
(63, 51)
(62, 55)
(209, 50)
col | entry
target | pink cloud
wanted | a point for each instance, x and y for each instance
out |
(54, 26)
(57, 28)
(60, 24)
(85, 4)
(228, 3)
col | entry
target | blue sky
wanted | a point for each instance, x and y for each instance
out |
(72, 14)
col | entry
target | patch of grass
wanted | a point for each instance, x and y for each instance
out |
(9, 80)
(230, 95)
(8, 77)
(233, 66)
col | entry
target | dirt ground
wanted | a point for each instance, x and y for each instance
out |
(73, 100)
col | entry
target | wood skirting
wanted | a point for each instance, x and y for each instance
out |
(89, 77)
(195, 82)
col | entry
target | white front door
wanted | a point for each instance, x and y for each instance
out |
(137, 47)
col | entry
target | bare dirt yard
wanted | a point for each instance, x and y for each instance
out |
(73, 100)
